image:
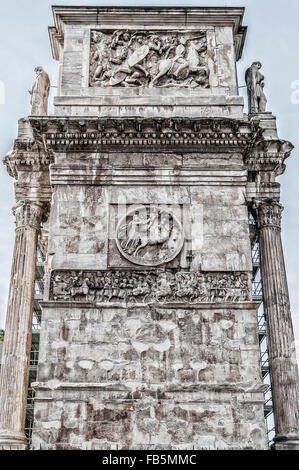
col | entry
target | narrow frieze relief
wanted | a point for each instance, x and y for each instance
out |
(123, 58)
(150, 286)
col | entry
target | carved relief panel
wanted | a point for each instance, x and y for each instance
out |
(148, 59)
(163, 286)
(148, 235)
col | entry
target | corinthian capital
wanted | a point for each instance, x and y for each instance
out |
(269, 214)
(28, 214)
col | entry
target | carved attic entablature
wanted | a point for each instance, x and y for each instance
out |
(90, 134)
(264, 154)
(27, 157)
(28, 163)
(267, 157)
(264, 160)
(29, 152)
(147, 17)
(261, 153)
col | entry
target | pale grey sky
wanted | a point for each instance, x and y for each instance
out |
(272, 38)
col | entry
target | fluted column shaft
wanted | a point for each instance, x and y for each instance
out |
(18, 329)
(281, 341)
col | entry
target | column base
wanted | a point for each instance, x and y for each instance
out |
(286, 442)
(12, 440)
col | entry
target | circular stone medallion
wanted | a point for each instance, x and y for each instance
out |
(149, 236)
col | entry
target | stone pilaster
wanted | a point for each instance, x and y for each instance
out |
(18, 329)
(282, 355)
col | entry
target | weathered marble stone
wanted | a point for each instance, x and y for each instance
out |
(40, 93)
(148, 59)
(16, 349)
(150, 168)
(149, 65)
(150, 377)
(255, 86)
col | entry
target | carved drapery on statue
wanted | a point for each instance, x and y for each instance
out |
(255, 87)
(150, 286)
(148, 59)
(40, 93)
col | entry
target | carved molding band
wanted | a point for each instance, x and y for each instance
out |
(112, 134)
(150, 286)
(148, 59)
(269, 214)
(268, 155)
(93, 134)
(116, 126)
(27, 154)
(28, 214)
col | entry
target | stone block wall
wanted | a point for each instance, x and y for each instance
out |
(149, 377)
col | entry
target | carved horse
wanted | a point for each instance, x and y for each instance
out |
(158, 233)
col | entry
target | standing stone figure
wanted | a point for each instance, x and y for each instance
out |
(40, 93)
(255, 87)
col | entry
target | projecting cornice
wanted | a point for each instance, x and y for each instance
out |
(26, 157)
(137, 134)
(268, 155)
(263, 154)
(147, 16)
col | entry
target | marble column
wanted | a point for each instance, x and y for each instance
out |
(18, 329)
(281, 342)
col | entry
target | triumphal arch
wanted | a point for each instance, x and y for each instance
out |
(147, 189)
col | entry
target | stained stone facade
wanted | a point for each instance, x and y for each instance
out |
(141, 184)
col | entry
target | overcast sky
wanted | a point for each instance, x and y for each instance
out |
(272, 38)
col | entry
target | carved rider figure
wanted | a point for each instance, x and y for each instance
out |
(142, 58)
(255, 88)
(40, 93)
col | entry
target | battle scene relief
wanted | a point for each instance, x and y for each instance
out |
(148, 59)
(161, 286)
